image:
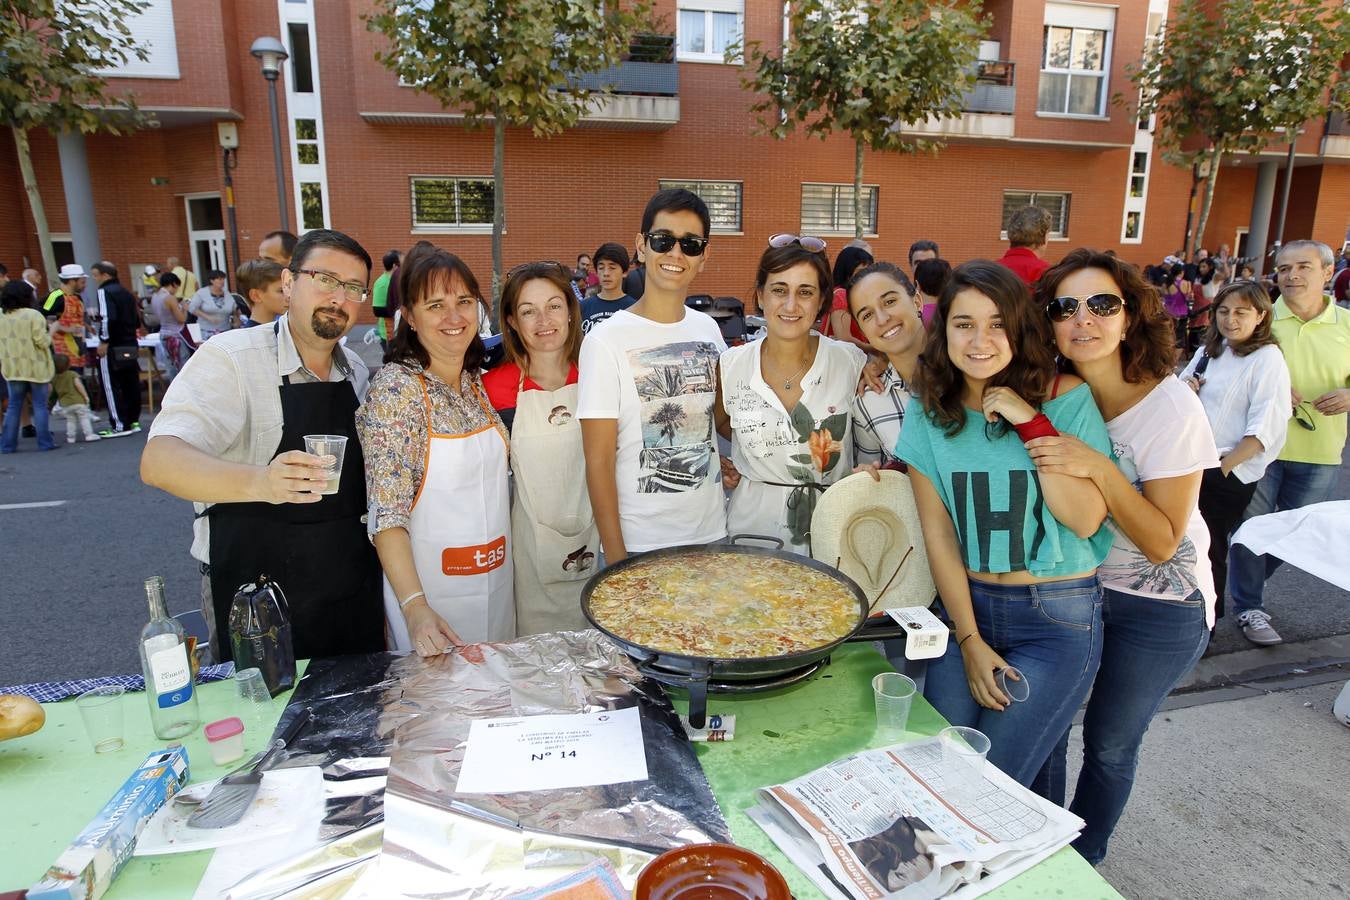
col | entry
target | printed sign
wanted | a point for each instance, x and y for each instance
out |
(474, 560)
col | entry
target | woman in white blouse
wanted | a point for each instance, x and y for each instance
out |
(1243, 382)
(784, 402)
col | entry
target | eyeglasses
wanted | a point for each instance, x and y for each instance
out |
(1103, 306)
(805, 241)
(663, 241)
(355, 291)
(1304, 416)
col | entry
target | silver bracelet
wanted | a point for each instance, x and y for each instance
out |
(403, 604)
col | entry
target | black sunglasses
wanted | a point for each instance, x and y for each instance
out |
(663, 241)
(1305, 420)
(1103, 306)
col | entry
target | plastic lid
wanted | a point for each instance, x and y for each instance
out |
(225, 728)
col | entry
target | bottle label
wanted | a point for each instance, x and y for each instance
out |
(172, 676)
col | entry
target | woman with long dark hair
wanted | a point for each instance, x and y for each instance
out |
(436, 464)
(1111, 330)
(838, 323)
(554, 542)
(1243, 382)
(1013, 555)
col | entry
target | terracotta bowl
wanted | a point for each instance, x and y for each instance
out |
(710, 872)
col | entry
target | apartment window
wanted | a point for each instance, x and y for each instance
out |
(1134, 225)
(707, 27)
(449, 202)
(1075, 58)
(311, 204)
(1056, 204)
(307, 141)
(828, 209)
(723, 199)
(302, 68)
(1138, 173)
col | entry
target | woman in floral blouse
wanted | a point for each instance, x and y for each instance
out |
(436, 468)
(784, 402)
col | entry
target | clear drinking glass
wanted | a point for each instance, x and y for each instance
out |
(893, 694)
(334, 445)
(963, 755)
(101, 711)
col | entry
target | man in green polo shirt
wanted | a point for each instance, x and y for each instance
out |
(1314, 335)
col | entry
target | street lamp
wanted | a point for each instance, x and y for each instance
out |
(271, 53)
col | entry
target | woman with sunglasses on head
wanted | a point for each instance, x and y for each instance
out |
(886, 307)
(784, 401)
(1013, 555)
(1111, 330)
(554, 543)
(436, 467)
(1243, 382)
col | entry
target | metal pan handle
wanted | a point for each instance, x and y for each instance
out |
(736, 538)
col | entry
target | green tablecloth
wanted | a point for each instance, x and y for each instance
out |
(52, 783)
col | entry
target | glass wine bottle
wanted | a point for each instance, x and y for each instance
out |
(167, 669)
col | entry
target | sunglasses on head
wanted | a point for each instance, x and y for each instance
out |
(805, 241)
(663, 241)
(1103, 306)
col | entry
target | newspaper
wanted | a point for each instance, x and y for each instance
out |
(886, 824)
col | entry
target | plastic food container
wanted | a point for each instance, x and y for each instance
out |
(226, 740)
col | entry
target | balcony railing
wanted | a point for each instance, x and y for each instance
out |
(1337, 125)
(994, 90)
(649, 69)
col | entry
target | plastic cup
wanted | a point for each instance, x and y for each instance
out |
(334, 445)
(893, 693)
(101, 711)
(1015, 690)
(255, 702)
(963, 754)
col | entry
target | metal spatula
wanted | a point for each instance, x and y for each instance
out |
(231, 798)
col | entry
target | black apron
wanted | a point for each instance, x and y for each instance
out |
(318, 552)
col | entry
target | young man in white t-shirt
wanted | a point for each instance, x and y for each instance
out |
(648, 383)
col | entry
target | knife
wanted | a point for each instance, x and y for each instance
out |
(231, 798)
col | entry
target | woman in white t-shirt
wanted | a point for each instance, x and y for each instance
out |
(785, 402)
(1112, 331)
(1243, 382)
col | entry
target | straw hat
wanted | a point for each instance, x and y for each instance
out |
(870, 532)
(71, 271)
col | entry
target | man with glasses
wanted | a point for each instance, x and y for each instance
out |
(1314, 335)
(648, 384)
(231, 438)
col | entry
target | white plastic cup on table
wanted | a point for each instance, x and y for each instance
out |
(894, 694)
(963, 755)
(101, 711)
(1013, 684)
(255, 702)
(334, 445)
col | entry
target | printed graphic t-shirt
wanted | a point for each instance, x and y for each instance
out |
(1165, 435)
(991, 489)
(594, 310)
(659, 381)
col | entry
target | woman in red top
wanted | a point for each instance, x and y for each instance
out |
(838, 322)
(554, 542)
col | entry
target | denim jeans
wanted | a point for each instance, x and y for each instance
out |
(1052, 634)
(1149, 645)
(1286, 485)
(9, 434)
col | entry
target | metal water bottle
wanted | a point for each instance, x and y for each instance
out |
(260, 634)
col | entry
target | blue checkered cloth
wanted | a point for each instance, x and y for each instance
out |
(52, 691)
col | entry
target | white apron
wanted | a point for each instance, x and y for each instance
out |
(458, 528)
(555, 543)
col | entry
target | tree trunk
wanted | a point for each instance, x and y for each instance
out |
(498, 213)
(35, 201)
(857, 189)
(1215, 156)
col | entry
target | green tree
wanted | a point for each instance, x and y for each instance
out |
(1221, 79)
(503, 61)
(51, 56)
(868, 68)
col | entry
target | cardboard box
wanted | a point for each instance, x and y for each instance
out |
(86, 868)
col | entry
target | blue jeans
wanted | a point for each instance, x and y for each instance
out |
(9, 434)
(1052, 633)
(1149, 645)
(1285, 485)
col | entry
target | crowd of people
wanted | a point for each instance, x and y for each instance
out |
(1076, 475)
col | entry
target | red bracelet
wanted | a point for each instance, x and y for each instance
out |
(1038, 427)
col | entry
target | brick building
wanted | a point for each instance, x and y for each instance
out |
(374, 158)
